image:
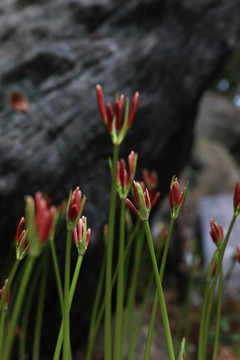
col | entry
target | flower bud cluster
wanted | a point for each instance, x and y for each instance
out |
(176, 199)
(40, 219)
(124, 177)
(113, 119)
(76, 203)
(142, 200)
(81, 235)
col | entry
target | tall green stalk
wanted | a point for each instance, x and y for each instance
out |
(129, 313)
(134, 335)
(202, 323)
(110, 240)
(114, 278)
(57, 272)
(2, 328)
(39, 315)
(155, 302)
(17, 308)
(160, 293)
(95, 310)
(66, 310)
(120, 286)
(218, 320)
(71, 294)
(26, 313)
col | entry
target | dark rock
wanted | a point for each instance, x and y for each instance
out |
(54, 53)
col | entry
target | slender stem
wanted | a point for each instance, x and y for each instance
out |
(57, 272)
(218, 320)
(129, 317)
(212, 290)
(108, 282)
(155, 302)
(114, 278)
(17, 308)
(2, 328)
(120, 286)
(9, 282)
(160, 293)
(92, 326)
(202, 322)
(134, 336)
(26, 313)
(39, 315)
(71, 294)
(66, 312)
(184, 318)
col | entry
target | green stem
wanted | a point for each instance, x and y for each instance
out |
(114, 278)
(39, 315)
(71, 294)
(26, 313)
(92, 326)
(218, 320)
(108, 282)
(57, 272)
(212, 290)
(160, 293)
(120, 286)
(202, 322)
(66, 310)
(17, 308)
(9, 283)
(184, 319)
(155, 303)
(129, 315)
(2, 329)
(134, 335)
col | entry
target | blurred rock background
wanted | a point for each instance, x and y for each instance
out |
(55, 52)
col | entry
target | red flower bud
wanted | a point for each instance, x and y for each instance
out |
(110, 116)
(74, 204)
(216, 231)
(236, 197)
(176, 200)
(133, 109)
(101, 104)
(21, 240)
(81, 235)
(44, 217)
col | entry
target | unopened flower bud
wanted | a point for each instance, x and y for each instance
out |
(113, 119)
(21, 240)
(81, 235)
(176, 199)
(75, 207)
(236, 199)
(216, 232)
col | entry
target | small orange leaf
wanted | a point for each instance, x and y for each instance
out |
(19, 102)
